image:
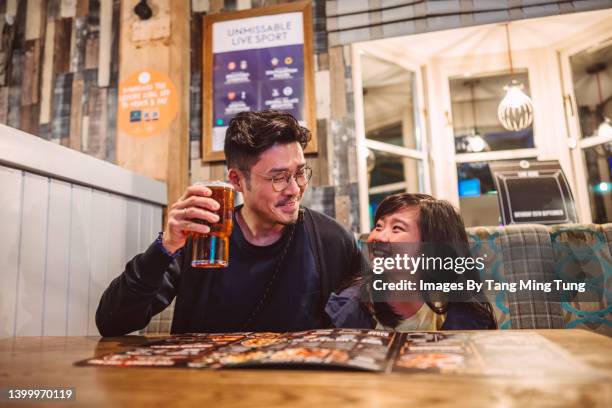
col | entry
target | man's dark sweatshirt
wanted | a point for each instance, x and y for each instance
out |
(321, 254)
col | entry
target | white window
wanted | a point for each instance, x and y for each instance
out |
(390, 125)
(587, 84)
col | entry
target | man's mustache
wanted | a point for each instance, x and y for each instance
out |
(287, 200)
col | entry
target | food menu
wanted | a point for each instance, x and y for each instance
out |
(356, 349)
(485, 353)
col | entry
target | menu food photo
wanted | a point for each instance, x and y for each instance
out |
(478, 353)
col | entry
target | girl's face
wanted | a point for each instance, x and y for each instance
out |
(400, 226)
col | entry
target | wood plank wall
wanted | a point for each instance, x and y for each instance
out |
(59, 71)
(63, 248)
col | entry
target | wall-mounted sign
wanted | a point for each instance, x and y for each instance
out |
(148, 103)
(254, 60)
(533, 192)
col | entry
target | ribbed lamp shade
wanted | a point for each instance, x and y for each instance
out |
(515, 111)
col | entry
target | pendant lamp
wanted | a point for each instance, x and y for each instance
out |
(515, 111)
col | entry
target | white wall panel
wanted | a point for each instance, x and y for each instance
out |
(100, 229)
(32, 259)
(64, 241)
(132, 228)
(146, 226)
(157, 220)
(117, 246)
(58, 256)
(80, 255)
(10, 220)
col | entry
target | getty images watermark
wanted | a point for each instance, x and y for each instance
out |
(455, 272)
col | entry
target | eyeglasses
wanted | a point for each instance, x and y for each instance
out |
(281, 181)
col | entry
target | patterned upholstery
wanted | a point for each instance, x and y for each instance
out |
(533, 252)
(485, 242)
(584, 252)
(161, 322)
(570, 252)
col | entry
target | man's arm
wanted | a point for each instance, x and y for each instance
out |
(146, 287)
(149, 282)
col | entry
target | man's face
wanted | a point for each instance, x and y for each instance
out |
(259, 195)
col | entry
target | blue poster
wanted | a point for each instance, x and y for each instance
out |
(268, 78)
(258, 63)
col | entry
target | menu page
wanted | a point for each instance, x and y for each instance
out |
(491, 353)
(342, 348)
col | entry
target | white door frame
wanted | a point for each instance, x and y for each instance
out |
(595, 37)
(362, 144)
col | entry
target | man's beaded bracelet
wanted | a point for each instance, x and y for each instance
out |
(160, 245)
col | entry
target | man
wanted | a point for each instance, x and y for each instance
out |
(284, 261)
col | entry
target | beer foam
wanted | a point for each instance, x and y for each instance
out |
(214, 183)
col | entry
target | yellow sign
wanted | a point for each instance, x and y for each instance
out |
(148, 103)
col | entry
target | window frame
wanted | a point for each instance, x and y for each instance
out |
(577, 144)
(363, 144)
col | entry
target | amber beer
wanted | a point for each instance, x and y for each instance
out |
(212, 250)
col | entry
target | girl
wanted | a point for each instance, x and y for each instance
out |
(415, 220)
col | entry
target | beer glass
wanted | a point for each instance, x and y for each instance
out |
(211, 250)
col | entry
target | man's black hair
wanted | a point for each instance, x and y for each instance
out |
(251, 133)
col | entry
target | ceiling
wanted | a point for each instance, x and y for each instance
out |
(491, 38)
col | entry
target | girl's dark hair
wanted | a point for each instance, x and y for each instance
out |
(442, 229)
(251, 133)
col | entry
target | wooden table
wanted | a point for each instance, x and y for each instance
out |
(48, 362)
